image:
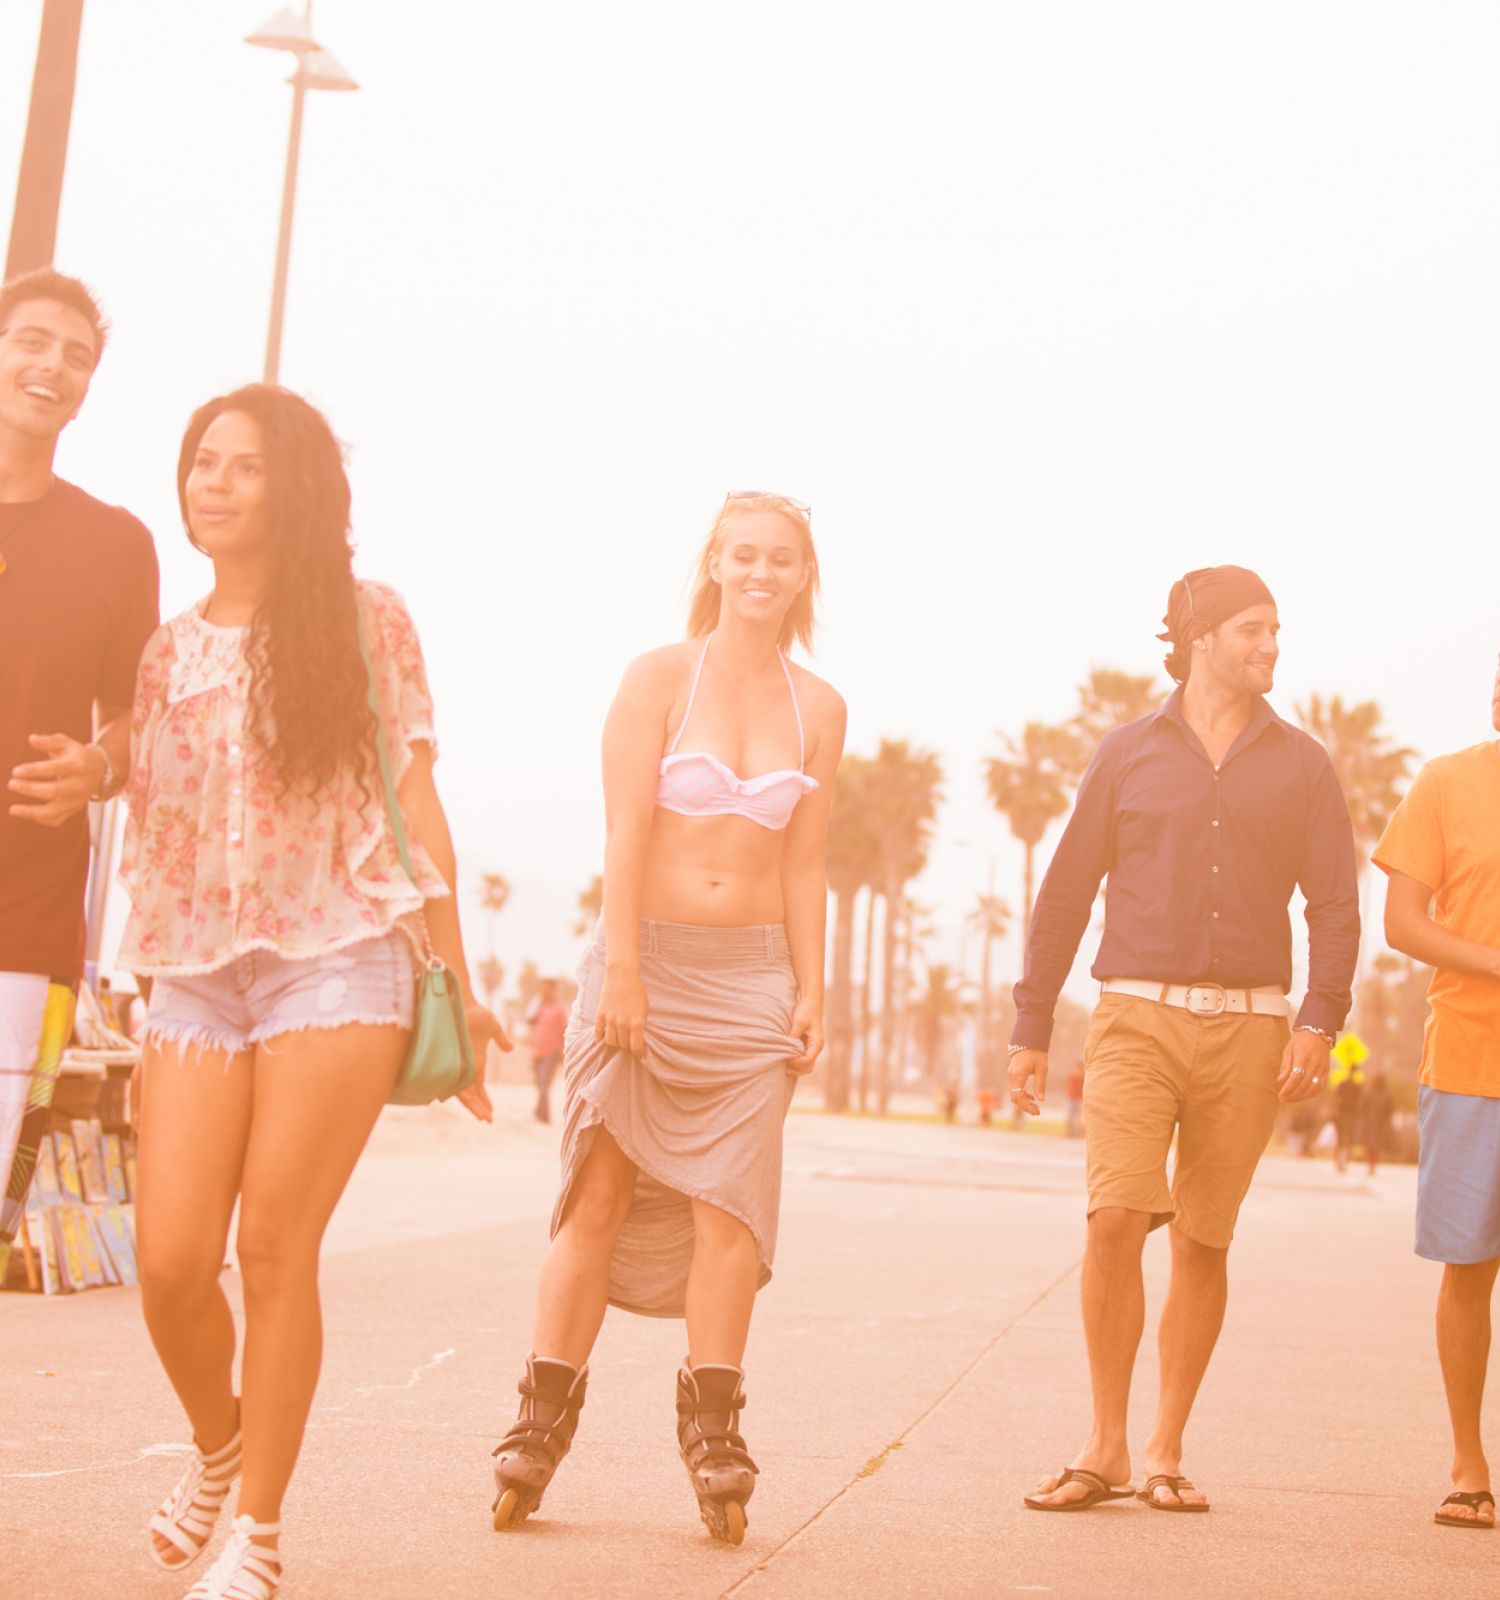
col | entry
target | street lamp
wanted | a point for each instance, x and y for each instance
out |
(316, 69)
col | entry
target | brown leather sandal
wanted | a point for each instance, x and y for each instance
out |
(1098, 1490)
(1474, 1499)
(1165, 1480)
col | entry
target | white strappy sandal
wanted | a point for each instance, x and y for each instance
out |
(243, 1569)
(187, 1516)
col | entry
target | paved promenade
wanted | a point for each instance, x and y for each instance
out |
(916, 1363)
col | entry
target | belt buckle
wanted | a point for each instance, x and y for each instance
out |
(1215, 993)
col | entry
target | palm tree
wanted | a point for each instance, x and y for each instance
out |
(991, 918)
(590, 904)
(938, 1003)
(491, 976)
(1029, 786)
(852, 856)
(1371, 770)
(494, 892)
(916, 928)
(1108, 699)
(907, 785)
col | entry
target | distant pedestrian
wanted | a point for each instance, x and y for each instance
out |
(1074, 1092)
(1347, 1097)
(1206, 816)
(1441, 852)
(77, 603)
(1375, 1120)
(549, 1023)
(700, 1003)
(274, 904)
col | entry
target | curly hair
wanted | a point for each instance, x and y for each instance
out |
(309, 688)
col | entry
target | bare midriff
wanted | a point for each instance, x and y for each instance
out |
(714, 872)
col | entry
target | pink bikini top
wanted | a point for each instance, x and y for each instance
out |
(696, 784)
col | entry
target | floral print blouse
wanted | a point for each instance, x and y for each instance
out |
(216, 860)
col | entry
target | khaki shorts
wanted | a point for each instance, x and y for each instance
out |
(1150, 1069)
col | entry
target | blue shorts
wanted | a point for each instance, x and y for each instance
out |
(1458, 1180)
(260, 994)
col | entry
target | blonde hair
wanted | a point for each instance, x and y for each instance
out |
(703, 608)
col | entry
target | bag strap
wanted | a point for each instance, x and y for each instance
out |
(392, 805)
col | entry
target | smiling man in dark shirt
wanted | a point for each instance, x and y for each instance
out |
(1204, 816)
(78, 585)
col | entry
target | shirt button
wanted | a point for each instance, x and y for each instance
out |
(1215, 822)
(1216, 869)
(1216, 916)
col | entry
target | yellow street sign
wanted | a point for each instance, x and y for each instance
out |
(1351, 1050)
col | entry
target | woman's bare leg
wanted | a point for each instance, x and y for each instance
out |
(572, 1292)
(720, 1288)
(194, 1123)
(317, 1095)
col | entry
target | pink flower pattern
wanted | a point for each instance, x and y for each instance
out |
(319, 875)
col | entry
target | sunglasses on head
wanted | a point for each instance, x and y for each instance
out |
(770, 494)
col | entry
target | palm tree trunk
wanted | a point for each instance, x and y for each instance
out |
(1028, 894)
(840, 1005)
(866, 1021)
(887, 997)
(903, 1019)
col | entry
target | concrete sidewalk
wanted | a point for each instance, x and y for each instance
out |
(916, 1364)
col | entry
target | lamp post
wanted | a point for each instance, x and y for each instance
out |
(315, 69)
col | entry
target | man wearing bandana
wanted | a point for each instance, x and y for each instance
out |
(1205, 816)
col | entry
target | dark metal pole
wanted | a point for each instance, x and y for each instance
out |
(284, 240)
(33, 229)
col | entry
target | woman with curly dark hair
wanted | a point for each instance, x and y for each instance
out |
(269, 904)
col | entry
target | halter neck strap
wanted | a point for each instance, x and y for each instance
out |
(693, 695)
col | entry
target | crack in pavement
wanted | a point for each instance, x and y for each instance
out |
(874, 1464)
(150, 1452)
(438, 1358)
(154, 1450)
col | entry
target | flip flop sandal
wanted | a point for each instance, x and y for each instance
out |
(1165, 1480)
(1479, 1497)
(1098, 1490)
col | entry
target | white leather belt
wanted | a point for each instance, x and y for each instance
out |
(1204, 999)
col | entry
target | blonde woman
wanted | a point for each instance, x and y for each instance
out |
(699, 1005)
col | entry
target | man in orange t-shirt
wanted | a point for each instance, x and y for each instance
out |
(1441, 851)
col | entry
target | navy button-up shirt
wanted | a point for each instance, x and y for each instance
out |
(1201, 861)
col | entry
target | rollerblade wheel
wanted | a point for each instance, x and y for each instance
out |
(509, 1512)
(734, 1522)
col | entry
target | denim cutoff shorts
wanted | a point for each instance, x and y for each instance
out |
(260, 995)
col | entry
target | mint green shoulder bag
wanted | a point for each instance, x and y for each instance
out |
(440, 1057)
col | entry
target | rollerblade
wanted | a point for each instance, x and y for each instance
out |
(709, 1401)
(551, 1397)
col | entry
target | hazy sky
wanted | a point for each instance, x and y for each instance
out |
(1036, 305)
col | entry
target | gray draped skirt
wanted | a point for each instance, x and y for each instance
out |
(700, 1112)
